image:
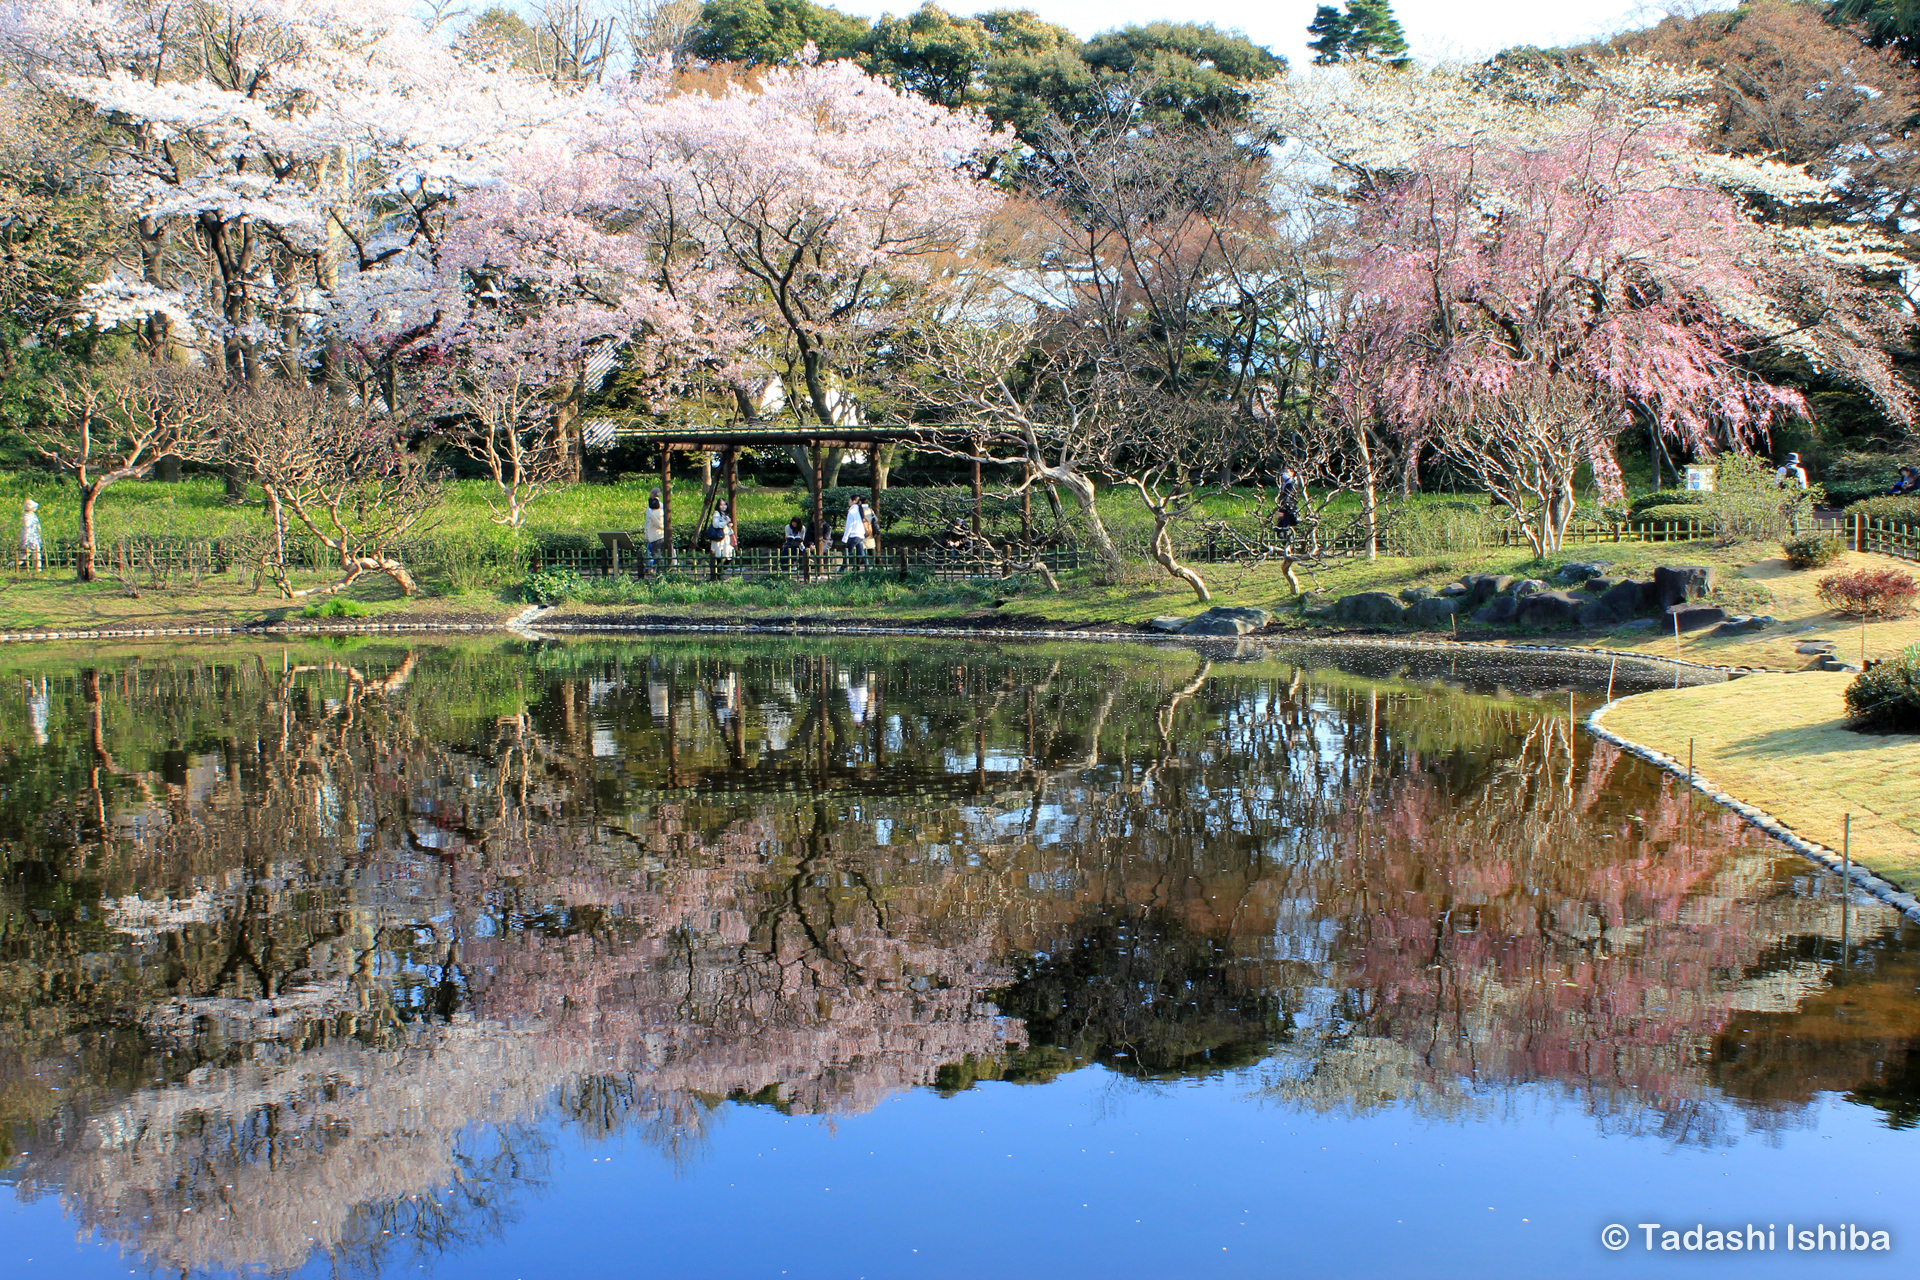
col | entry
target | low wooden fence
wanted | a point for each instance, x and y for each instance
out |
(148, 557)
(772, 561)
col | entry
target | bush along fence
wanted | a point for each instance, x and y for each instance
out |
(806, 565)
(473, 562)
(1859, 532)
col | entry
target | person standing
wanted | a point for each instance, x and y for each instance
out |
(853, 537)
(1908, 483)
(1291, 494)
(720, 537)
(31, 550)
(653, 530)
(1792, 475)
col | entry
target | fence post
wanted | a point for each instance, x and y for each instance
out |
(903, 564)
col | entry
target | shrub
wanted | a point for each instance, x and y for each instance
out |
(1812, 550)
(488, 559)
(1849, 477)
(334, 607)
(1676, 514)
(1886, 697)
(1870, 593)
(1901, 510)
(1748, 502)
(554, 585)
(1667, 498)
(1436, 528)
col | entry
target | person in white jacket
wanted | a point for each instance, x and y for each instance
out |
(854, 536)
(653, 531)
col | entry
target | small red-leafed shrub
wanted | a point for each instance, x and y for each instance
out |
(1870, 593)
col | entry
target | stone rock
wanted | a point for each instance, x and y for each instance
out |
(1315, 604)
(1638, 624)
(1220, 621)
(1579, 572)
(1600, 586)
(1544, 609)
(1453, 589)
(1410, 594)
(1743, 624)
(1814, 648)
(1498, 610)
(1692, 617)
(1679, 583)
(1530, 586)
(1433, 611)
(1167, 625)
(1626, 598)
(1483, 587)
(1369, 607)
(1829, 662)
(1594, 613)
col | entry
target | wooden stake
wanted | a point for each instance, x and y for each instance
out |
(1689, 762)
(1610, 674)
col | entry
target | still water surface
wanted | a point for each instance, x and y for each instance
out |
(841, 958)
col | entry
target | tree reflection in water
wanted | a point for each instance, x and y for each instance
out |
(303, 949)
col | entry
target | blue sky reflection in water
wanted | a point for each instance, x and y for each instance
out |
(677, 959)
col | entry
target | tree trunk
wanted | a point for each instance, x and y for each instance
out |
(83, 563)
(278, 515)
(1083, 496)
(884, 456)
(835, 457)
(1370, 493)
(1163, 552)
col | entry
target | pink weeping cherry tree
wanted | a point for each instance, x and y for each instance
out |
(1519, 306)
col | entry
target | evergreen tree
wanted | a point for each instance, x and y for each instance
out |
(1331, 30)
(1367, 29)
(1376, 33)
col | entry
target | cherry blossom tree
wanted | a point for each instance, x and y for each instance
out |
(1521, 303)
(263, 157)
(812, 204)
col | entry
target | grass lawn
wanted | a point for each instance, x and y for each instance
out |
(1780, 742)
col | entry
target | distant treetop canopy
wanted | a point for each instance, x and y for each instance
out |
(1009, 63)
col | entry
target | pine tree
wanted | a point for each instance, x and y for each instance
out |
(1332, 30)
(1376, 33)
(1367, 29)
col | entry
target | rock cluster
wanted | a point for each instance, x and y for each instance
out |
(1587, 596)
(1217, 621)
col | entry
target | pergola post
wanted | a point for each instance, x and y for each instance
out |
(733, 489)
(666, 500)
(873, 494)
(976, 491)
(819, 456)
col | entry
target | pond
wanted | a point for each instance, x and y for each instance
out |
(847, 957)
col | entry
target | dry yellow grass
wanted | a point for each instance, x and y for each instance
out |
(1779, 742)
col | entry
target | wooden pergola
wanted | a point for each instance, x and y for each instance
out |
(727, 439)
